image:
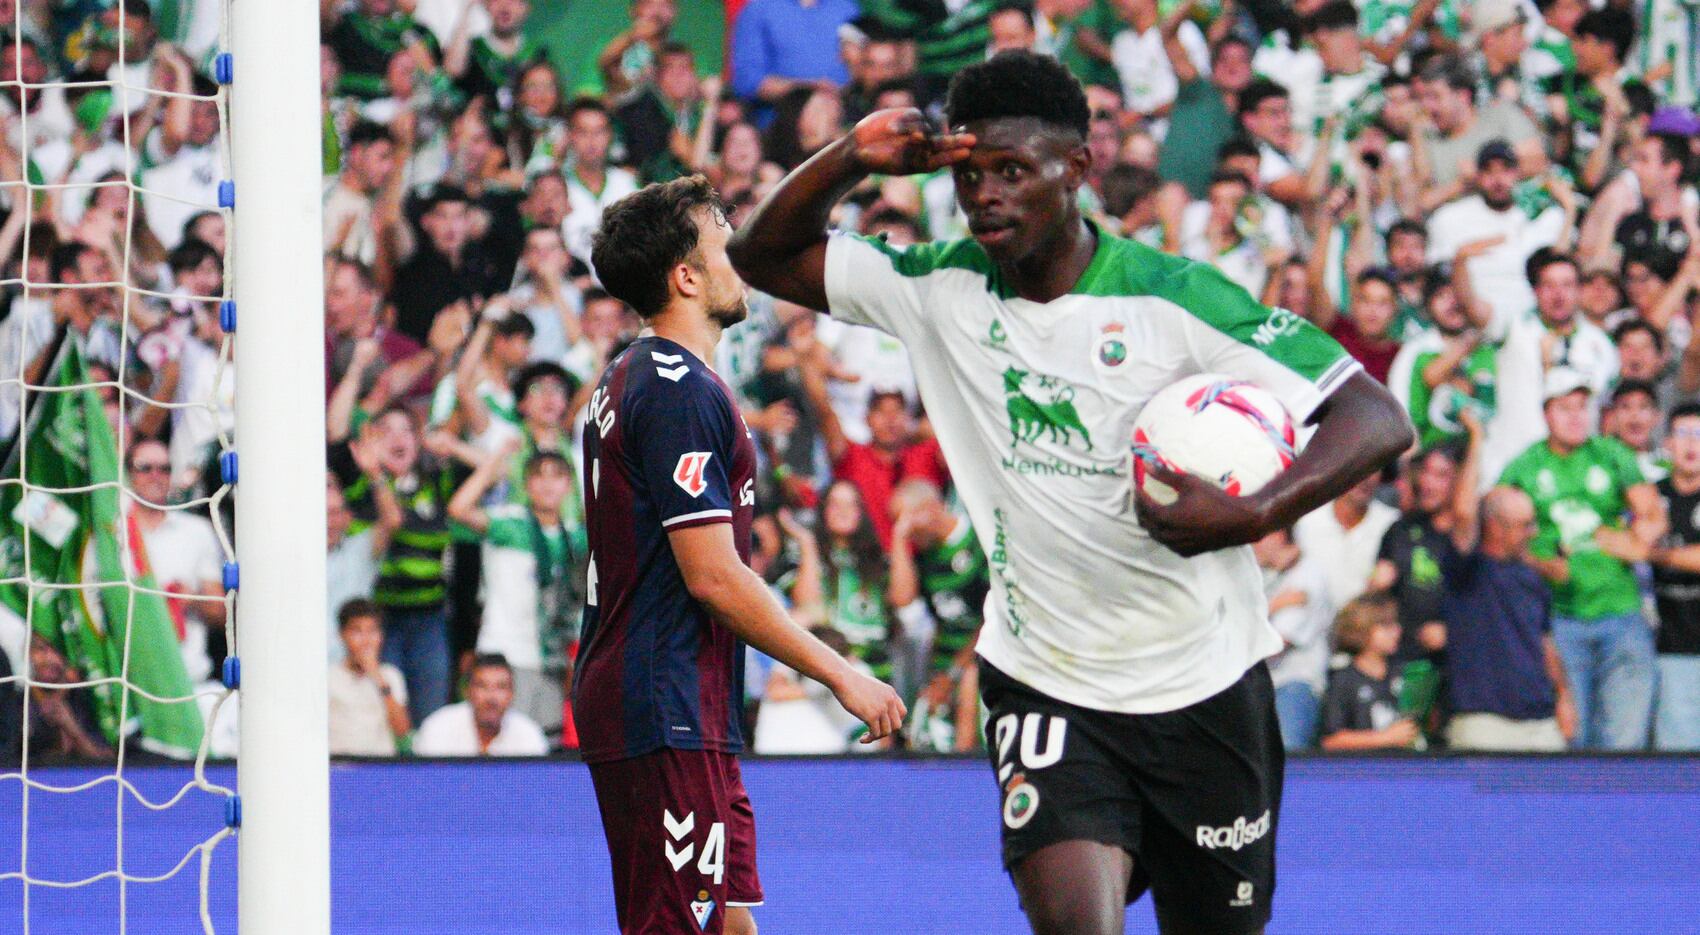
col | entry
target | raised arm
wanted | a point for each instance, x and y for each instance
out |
(463, 506)
(781, 249)
(1466, 502)
(1179, 61)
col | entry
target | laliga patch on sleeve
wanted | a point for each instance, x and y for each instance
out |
(688, 472)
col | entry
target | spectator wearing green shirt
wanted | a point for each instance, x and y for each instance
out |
(1582, 486)
(533, 569)
(365, 37)
(935, 559)
(1201, 118)
(486, 66)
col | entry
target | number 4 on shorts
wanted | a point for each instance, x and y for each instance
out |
(712, 863)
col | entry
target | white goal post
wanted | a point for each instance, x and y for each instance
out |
(282, 771)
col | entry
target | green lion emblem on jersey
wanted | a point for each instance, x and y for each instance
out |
(1028, 417)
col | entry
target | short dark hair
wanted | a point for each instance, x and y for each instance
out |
(1672, 148)
(1237, 147)
(579, 105)
(674, 47)
(1633, 325)
(1259, 90)
(490, 661)
(366, 131)
(1410, 226)
(1335, 14)
(645, 234)
(1630, 387)
(1379, 274)
(1023, 7)
(352, 610)
(1690, 409)
(1545, 257)
(1126, 186)
(441, 194)
(1018, 83)
(538, 372)
(1451, 451)
(65, 257)
(1228, 176)
(192, 252)
(1451, 70)
(515, 324)
(1611, 26)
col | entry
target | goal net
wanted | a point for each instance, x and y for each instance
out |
(120, 653)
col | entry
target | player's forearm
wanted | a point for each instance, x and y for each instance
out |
(1363, 428)
(740, 600)
(792, 220)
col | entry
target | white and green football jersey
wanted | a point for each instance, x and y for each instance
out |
(1034, 406)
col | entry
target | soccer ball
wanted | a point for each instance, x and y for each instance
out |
(1232, 433)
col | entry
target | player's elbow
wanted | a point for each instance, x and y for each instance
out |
(710, 584)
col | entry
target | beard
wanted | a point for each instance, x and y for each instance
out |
(1497, 204)
(729, 312)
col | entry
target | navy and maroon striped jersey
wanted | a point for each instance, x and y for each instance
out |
(665, 448)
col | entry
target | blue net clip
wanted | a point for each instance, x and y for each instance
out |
(227, 194)
(227, 316)
(233, 811)
(227, 467)
(224, 68)
(232, 674)
(232, 576)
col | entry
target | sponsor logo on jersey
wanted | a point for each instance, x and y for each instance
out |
(1048, 411)
(688, 472)
(1242, 895)
(1235, 836)
(1278, 325)
(997, 338)
(1598, 480)
(1013, 599)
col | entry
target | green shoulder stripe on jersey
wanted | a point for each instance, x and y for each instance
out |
(1127, 268)
(926, 258)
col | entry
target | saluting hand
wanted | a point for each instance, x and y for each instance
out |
(900, 141)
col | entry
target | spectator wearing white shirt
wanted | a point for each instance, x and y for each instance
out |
(1301, 610)
(1344, 538)
(547, 294)
(368, 162)
(184, 165)
(1147, 78)
(592, 184)
(368, 698)
(1211, 232)
(179, 549)
(483, 724)
(1265, 112)
(1553, 334)
(1498, 274)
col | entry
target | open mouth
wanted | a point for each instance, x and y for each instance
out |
(990, 232)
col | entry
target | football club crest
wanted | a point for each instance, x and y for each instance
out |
(1020, 802)
(1112, 344)
(701, 908)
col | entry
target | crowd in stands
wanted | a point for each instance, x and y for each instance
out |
(1492, 205)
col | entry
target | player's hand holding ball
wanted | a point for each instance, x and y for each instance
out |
(872, 701)
(1202, 449)
(901, 141)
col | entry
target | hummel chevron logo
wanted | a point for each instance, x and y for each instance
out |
(678, 829)
(670, 373)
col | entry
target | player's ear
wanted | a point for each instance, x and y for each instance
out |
(686, 280)
(1079, 161)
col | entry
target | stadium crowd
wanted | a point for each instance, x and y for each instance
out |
(1491, 205)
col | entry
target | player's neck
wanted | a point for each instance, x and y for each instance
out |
(690, 329)
(1051, 270)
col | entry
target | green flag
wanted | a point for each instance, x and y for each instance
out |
(73, 538)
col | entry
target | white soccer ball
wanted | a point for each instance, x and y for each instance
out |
(1234, 434)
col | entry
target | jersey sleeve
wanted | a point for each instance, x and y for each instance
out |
(680, 438)
(1625, 468)
(866, 283)
(1231, 333)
